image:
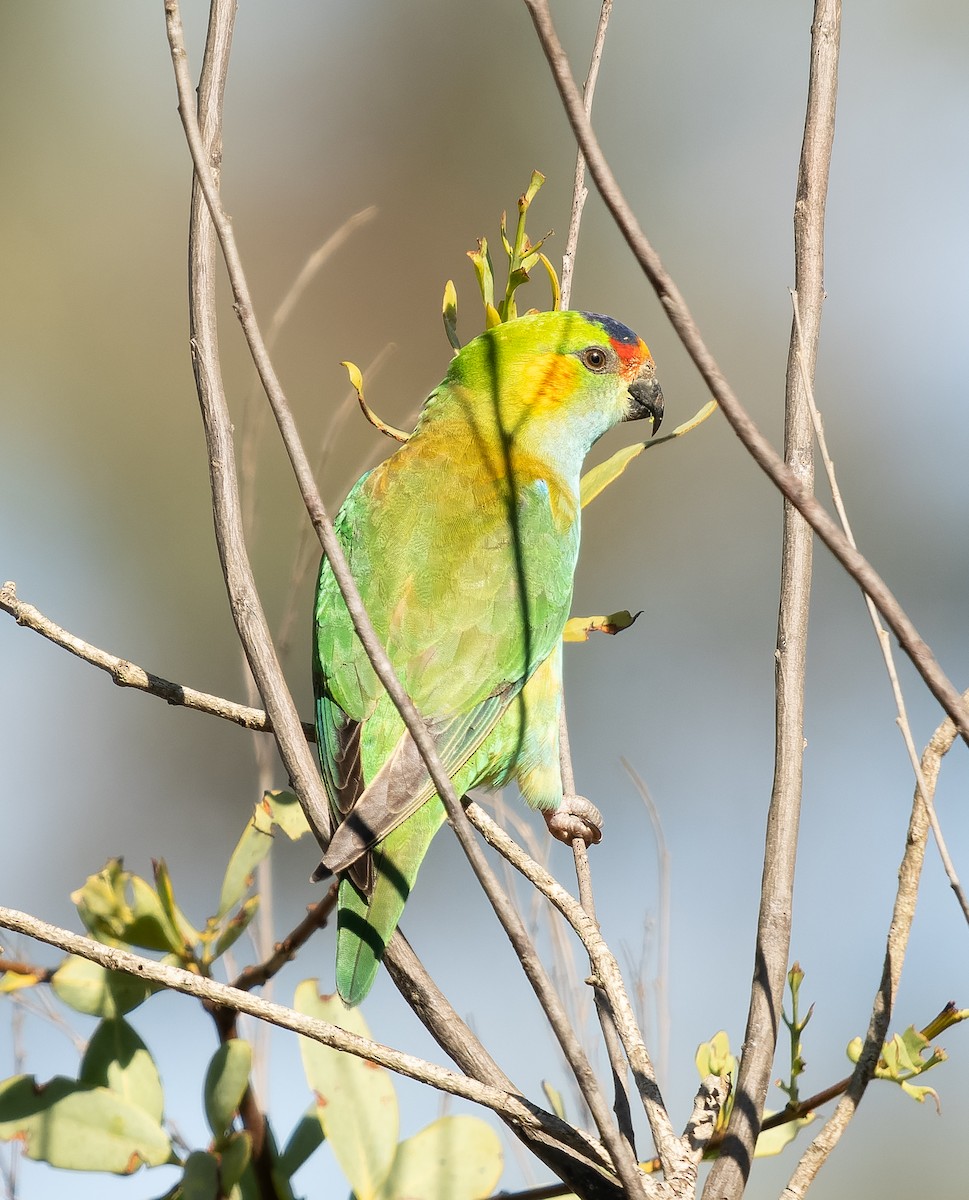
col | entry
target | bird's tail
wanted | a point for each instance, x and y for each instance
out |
(365, 923)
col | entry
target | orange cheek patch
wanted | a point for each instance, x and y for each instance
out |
(550, 379)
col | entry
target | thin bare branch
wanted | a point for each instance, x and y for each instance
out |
(663, 1018)
(607, 976)
(757, 445)
(580, 192)
(128, 674)
(884, 641)
(203, 128)
(728, 1176)
(208, 990)
(903, 913)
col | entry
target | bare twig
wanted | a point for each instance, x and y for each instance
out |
(884, 642)
(203, 128)
(128, 674)
(757, 445)
(897, 941)
(663, 1020)
(607, 977)
(729, 1173)
(208, 990)
(579, 191)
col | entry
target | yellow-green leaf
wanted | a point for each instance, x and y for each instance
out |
(117, 1058)
(80, 1128)
(355, 1100)
(225, 1083)
(89, 988)
(455, 1158)
(577, 629)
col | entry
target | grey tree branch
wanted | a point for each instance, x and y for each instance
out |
(579, 191)
(728, 1176)
(508, 1105)
(756, 444)
(247, 611)
(903, 913)
(129, 674)
(884, 644)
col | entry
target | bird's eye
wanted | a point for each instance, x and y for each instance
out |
(595, 358)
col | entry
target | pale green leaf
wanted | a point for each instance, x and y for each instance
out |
(80, 1128)
(89, 988)
(117, 1058)
(225, 1083)
(455, 1158)
(355, 1100)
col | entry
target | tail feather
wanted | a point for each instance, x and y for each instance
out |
(365, 923)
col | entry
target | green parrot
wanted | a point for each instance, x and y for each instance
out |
(463, 545)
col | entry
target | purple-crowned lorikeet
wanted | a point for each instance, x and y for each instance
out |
(463, 545)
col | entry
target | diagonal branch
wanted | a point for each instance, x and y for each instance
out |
(757, 445)
(903, 913)
(176, 979)
(129, 674)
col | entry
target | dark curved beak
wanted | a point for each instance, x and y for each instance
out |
(646, 400)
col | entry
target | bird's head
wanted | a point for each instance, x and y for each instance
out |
(559, 379)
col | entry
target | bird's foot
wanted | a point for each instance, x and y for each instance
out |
(575, 817)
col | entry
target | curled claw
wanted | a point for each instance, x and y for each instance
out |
(575, 817)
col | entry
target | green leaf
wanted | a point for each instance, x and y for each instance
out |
(287, 814)
(201, 1178)
(275, 808)
(89, 988)
(449, 311)
(119, 908)
(577, 629)
(225, 1084)
(234, 929)
(15, 981)
(355, 1100)
(455, 1158)
(117, 1058)
(185, 933)
(598, 478)
(481, 261)
(234, 1157)
(554, 1098)
(251, 849)
(775, 1140)
(78, 1128)
(305, 1140)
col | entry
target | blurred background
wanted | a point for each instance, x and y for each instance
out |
(436, 113)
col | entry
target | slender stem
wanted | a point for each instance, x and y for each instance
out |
(729, 1173)
(212, 992)
(757, 445)
(247, 612)
(580, 192)
(903, 913)
(884, 644)
(128, 674)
